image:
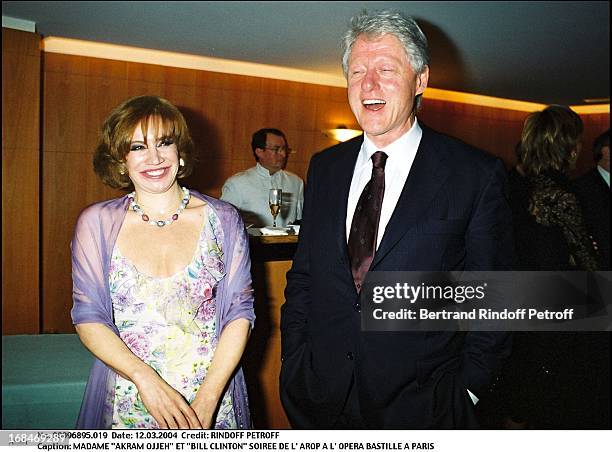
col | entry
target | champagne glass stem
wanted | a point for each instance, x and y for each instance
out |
(275, 200)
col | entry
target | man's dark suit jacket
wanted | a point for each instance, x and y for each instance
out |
(452, 215)
(594, 197)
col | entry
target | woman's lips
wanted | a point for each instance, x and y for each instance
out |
(157, 173)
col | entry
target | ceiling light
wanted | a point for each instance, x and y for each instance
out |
(602, 100)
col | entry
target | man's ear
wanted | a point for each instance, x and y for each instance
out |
(259, 152)
(422, 80)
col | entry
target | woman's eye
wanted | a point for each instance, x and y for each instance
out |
(166, 142)
(136, 147)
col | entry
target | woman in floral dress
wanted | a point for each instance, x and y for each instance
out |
(161, 284)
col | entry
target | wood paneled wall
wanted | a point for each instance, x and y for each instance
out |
(498, 131)
(20, 181)
(262, 357)
(594, 125)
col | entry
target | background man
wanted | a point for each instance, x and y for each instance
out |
(248, 190)
(593, 191)
(432, 203)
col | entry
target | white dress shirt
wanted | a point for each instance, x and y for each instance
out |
(249, 190)
(400, 154)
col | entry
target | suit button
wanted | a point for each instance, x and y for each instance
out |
(357, 307)
(349, 355)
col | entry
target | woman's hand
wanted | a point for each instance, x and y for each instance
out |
(161, 400)
(227, 355)
(164, 403)
(205, 408)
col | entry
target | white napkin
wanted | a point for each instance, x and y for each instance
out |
(274, 231)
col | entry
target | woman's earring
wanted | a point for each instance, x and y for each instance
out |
(181, 162)
(122, 170)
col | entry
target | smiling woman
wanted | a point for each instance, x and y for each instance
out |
(162, 287)
(127, 129)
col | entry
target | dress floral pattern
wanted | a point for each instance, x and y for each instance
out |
(170, 324)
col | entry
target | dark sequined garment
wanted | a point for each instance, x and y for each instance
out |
(552, 204)
(550, 233)
(553, 380)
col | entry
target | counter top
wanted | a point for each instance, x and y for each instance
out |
(274, 239)
(272, 247)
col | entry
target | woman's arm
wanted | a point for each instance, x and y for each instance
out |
(163, 402)
(227, 356)
(235, 305)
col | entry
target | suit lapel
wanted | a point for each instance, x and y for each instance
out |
(343, 174)
(427, 175)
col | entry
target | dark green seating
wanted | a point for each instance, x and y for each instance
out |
(43, 380)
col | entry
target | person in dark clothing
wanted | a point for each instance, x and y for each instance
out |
(553, 380)
(593, 190)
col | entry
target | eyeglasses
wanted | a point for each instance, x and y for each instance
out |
(277, 149)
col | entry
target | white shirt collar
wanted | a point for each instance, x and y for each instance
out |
(409, 140)
(263, 171)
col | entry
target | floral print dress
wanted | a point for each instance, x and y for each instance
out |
(169, 323)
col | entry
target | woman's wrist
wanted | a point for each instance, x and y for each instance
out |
(208, 395)
(140, 372)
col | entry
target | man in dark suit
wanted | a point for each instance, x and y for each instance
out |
(421, 201)
(593, 190)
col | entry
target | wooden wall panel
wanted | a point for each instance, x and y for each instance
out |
(491, 129)
(67, 188)
(261, 359)
(594, 125)
(102, 95)
(498, 131)
(65, 112)
(20, 181)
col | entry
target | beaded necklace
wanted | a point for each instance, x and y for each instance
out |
(160, 223)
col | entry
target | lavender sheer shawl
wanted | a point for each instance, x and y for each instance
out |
(92, 245)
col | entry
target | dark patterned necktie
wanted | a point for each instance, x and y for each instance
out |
(364, 228)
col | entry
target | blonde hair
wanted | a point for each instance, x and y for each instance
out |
(550, 140)
(118, 129)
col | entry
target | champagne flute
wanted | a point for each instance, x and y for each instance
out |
(276, 201)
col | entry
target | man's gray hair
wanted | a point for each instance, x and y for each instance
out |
(377, 23)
